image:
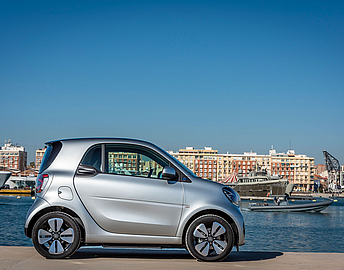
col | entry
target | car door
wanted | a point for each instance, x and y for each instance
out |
(127, 194)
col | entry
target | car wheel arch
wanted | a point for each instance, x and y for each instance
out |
(65, 210)
(214, 212)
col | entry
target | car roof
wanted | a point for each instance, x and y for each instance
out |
(97, 139)
(100, 140)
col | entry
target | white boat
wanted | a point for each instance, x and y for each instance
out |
(257, 183)
(4, 177)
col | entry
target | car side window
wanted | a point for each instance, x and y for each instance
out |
(93, 157)
(134, 161)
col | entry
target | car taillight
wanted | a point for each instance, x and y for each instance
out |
(40, 181)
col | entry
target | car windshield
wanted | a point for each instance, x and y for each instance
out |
(183, 166)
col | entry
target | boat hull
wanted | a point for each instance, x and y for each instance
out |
(303, 207)
(261, 189)
(4, 176)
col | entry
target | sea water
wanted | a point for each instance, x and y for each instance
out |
(295, 231)
(265, 231)
(12, 220)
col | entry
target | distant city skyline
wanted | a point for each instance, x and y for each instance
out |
(32, 153)
(236, 76)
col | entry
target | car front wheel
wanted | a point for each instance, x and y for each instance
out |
(56, 235)
(209, 238)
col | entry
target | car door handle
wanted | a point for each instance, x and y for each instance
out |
(86, 171)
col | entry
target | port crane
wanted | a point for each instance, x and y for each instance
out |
(333, 169)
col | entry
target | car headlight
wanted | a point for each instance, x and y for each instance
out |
(232, 196)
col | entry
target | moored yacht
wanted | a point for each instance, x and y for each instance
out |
(4, 177)
(257, 183)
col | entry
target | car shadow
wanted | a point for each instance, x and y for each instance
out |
(252, 256)
(175, 254)
(138, 253)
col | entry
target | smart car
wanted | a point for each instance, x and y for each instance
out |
(126, 192)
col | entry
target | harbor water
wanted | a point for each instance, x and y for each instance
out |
(265, 231)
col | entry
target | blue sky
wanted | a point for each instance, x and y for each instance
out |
(234, 75)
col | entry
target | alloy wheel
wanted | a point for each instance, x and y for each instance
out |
(56, 235)
(209, 238)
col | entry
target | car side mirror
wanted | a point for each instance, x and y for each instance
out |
(169, 173)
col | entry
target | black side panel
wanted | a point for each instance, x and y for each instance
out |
(50, 154)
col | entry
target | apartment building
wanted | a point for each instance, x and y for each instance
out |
(39, 156)
(207, 163)
(13, 156)
(203, 162)
(320, 169)
(298, 169)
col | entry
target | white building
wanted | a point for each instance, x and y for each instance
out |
(13, 156)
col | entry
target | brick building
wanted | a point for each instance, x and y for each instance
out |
(13, 156)
(39, 156)
(207, 163)
(319, 169)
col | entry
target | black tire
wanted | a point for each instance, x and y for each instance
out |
(209, 238)
(56, 235)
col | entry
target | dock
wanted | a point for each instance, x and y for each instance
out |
(27, 258)
(27, 192)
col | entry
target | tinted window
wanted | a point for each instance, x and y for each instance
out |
(183, 166)
(93, 157)
(134, 161)
(50, 155)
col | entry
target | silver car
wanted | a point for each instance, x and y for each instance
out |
(124, 192)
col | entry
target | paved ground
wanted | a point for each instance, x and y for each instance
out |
(97, 258)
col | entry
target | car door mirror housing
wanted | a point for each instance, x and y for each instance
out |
(169, 173)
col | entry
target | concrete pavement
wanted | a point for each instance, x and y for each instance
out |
(98, 258)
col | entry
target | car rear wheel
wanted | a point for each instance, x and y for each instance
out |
(209, 238)
(56, 235)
